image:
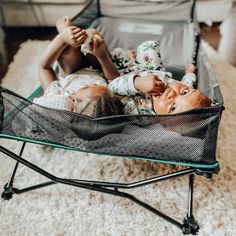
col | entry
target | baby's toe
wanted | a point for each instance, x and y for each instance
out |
(63, 23)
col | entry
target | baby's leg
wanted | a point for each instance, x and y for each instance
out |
(91, 60)
(71, 58)
(148, 55)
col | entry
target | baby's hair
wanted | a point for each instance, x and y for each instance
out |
(204, 101)
(102, 106)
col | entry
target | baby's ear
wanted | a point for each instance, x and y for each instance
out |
(70, 103)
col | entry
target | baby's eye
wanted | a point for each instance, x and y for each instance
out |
(172, 108)
(185, 91)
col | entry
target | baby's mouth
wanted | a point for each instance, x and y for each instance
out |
(163, 91)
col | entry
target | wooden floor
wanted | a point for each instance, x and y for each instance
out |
(16, 36)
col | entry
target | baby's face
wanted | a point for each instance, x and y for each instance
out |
(176, 98)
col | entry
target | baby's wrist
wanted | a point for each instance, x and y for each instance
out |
(190, 74)
(136, 82)
(189, 71)
(61, 38)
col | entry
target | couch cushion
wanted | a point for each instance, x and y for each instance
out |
(46, 1)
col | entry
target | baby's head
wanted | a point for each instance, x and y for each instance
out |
(96, 101)
(177, 97)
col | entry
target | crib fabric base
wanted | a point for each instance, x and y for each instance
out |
(195, 165)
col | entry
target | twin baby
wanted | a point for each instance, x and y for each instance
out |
(95, 82)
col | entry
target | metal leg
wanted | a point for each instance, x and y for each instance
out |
(9, 190)
(190, 225)
(190, 195)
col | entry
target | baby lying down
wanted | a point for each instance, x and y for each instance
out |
(78, 88)
(84, 92)
(147, 89)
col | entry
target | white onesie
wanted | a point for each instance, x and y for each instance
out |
(58, 93)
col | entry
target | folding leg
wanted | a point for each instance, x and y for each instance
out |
(189, 225)
(9, 190)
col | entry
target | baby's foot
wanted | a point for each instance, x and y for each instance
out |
(63, 23)
(132, 54)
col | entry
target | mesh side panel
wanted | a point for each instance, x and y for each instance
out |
(186, 137)
(207, 82)
(129, 33)
(85, 18)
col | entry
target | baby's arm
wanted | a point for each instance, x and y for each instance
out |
(70, 36)
(190, 78)
(149, 84)
(53, 51)
(100, 50)
(123, 85)
(133, 83)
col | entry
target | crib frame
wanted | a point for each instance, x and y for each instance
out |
(189, 224)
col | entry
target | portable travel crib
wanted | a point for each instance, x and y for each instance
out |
(187, 139)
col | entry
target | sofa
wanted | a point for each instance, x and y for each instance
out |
(20, 13)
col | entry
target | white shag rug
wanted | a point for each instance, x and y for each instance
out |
(62, 210)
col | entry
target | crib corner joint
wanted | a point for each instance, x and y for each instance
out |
(190, 225)
(8, 192)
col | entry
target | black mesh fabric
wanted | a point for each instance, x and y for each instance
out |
(188, 137)
(185, 137)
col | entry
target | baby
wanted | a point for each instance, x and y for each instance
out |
(151, 90)
(148, 89)
(79, 88)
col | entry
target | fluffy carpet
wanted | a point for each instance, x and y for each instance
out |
(63, 210)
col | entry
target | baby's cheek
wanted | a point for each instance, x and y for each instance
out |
(160, 106)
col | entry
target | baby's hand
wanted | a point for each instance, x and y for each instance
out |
(149, 84)
(74, 36)
(132, 54)
(98, 46)
(190, 68)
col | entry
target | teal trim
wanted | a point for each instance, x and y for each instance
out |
(9, 115)
(139, 158)
(35, 93)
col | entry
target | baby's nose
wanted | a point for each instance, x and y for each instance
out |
(171, 94)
